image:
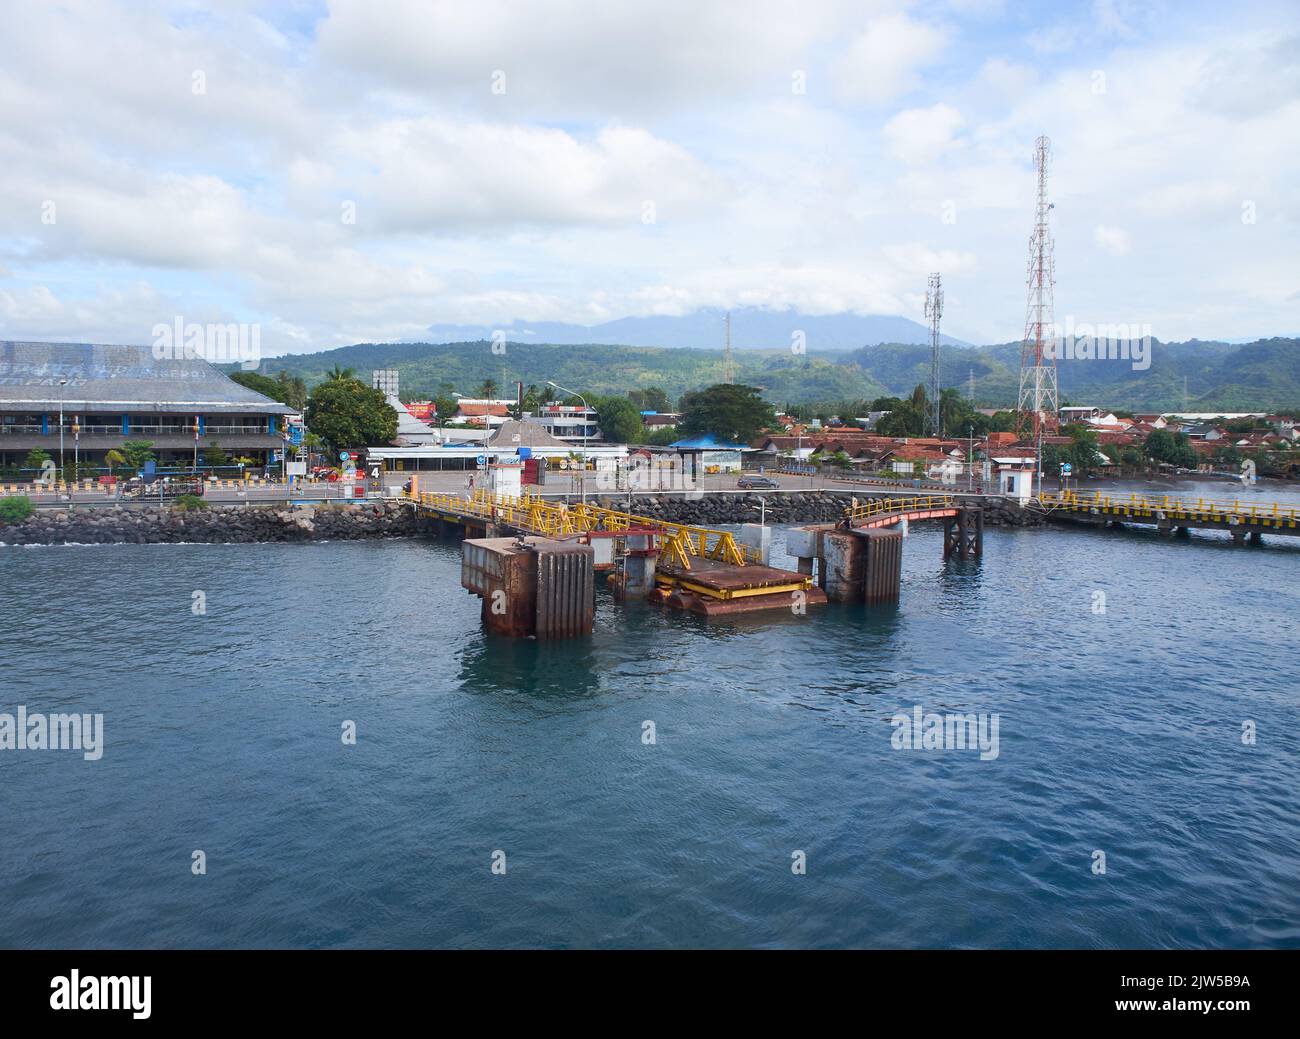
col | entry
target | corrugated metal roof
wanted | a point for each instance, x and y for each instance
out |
(514, 434)
(118, 378)
(708, 443)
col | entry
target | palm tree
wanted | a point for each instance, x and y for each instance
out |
(489, 389)
(340, 374)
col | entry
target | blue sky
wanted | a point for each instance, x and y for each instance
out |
(358, 171)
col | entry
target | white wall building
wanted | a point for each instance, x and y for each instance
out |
(569, 421)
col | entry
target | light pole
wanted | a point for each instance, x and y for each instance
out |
(970, 459)
(63, 473)
(585, 407)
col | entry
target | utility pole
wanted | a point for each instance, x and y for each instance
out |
(63, 475)
(728, 363)
(585, 409)
(933, 311)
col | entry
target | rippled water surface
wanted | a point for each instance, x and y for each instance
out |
(1119, 732)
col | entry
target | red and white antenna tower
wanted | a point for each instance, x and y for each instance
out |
(1039, 400)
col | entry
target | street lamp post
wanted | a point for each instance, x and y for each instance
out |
(63, 473)
(970, 460)
(585, 407)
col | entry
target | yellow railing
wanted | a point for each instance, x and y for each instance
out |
(679, 541)
(1207, 510)
(876, 507)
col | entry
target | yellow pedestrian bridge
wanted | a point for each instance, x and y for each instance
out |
(1175, 515)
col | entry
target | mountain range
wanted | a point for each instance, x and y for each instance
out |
(1195, 375)
(752, 328)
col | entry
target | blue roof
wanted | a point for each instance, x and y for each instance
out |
(708, 443)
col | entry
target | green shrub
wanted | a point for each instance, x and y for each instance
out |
(15, 509)
(188, 502)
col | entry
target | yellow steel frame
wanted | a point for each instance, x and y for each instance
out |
(873, 508)
(1140, 506)
(679, 542)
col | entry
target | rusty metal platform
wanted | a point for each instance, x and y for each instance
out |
(714, 586)
(714, 573)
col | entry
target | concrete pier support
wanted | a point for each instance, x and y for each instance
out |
(639, 566)
(531, 586)
(804, 543)
(844, 565)
(884, 565)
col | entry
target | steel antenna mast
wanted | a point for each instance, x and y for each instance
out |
(1038, 402)
(933, 311)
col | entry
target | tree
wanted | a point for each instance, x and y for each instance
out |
(1170, 448)
(652, 398)
(661, 436)
(620, 421)
(15, 509)
(730, 412)
(293, 391)
(340, 374)
(348, 413)
(531, 402)
(1080, 453)
(136, 452)
(259, 383)
(36, 458)
(488, 389)
(214, 457)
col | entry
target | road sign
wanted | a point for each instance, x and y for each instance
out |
(482, 459)
(344, 456)
(1066, 468)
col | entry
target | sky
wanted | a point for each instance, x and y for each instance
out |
(358, 170)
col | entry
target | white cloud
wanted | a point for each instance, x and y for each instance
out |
(478, 208)
(883, 60)
(1114, 240)
(920, 135)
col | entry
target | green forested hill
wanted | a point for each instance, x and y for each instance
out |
(1262, 375)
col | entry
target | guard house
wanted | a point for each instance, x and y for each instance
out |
(505, 476)
(707, 455)
(1015, 477)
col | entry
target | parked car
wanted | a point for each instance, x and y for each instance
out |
(754, 483)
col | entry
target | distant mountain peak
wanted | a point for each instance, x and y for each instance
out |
(752, 328)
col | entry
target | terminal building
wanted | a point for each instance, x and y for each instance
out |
(110, 394)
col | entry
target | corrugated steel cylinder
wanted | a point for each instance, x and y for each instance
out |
(883, 563)
(531, 586)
